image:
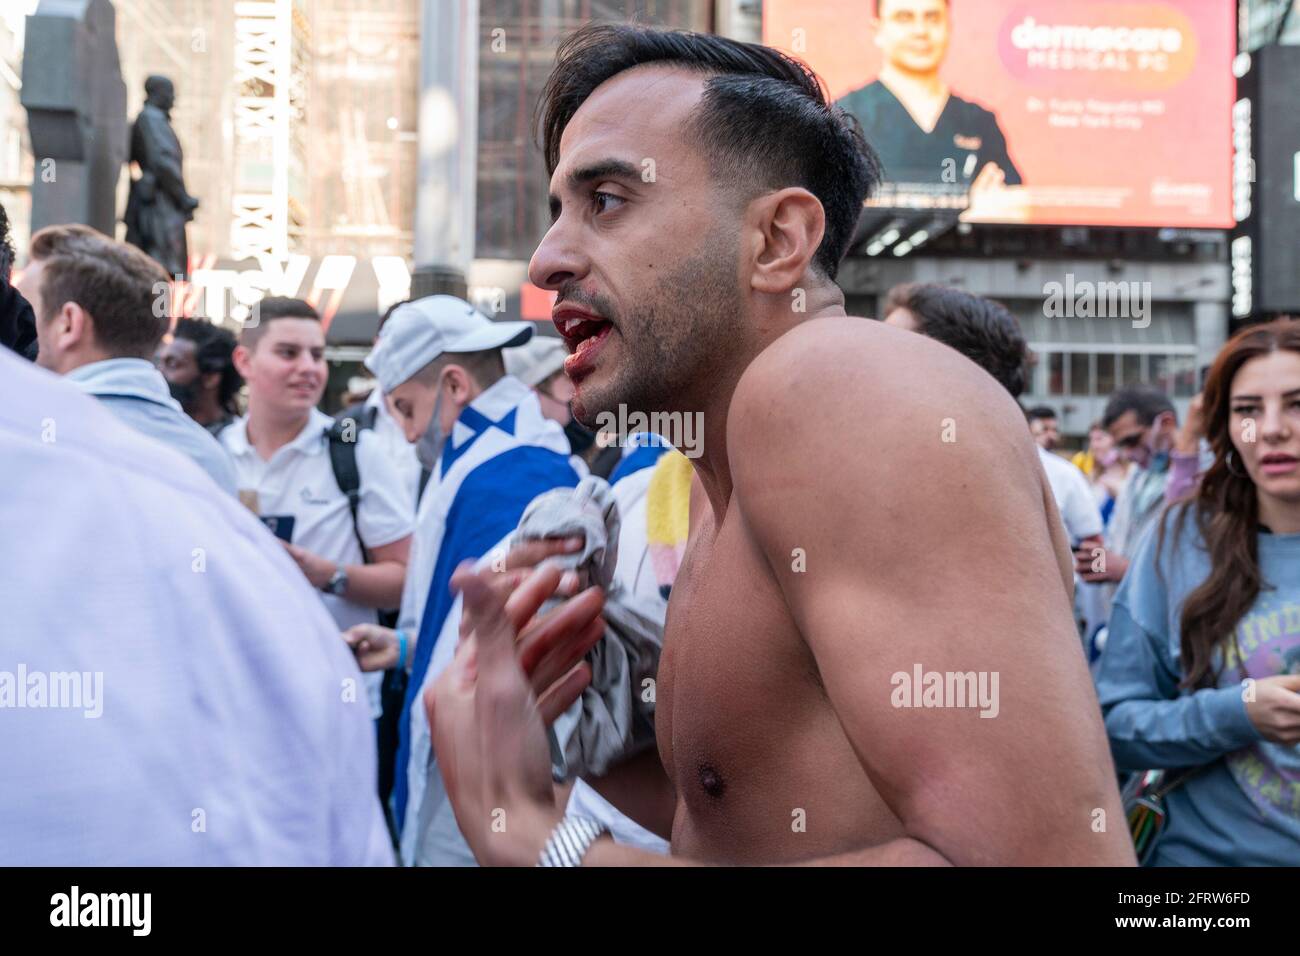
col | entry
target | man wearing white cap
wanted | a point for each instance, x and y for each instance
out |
(482, 434)
(539, 364)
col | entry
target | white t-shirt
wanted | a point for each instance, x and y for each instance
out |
(218, 722)
(299, 481)
(1074, 498)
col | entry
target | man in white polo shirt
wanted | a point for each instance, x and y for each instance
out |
(285, 474)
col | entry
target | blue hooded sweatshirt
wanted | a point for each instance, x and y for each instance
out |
(1243, 807)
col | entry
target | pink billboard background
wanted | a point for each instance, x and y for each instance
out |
(1143, 139)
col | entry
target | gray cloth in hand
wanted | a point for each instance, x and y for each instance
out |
(611, 721)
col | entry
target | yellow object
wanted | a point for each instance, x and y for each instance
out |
(668, 509)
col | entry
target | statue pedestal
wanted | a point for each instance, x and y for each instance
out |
(76, 113)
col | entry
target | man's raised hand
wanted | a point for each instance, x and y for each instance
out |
(488, 711)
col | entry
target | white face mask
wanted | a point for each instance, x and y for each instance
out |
(428, 447)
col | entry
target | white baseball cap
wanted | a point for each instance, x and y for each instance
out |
(536, 360)
(418, 332)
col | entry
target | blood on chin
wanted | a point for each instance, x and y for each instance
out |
(589, 402)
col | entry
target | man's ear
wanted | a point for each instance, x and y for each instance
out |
(73, 328)
(210, 381)
(787, 228)
(463, 388)
(243, 359)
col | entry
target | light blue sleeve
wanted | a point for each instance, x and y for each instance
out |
(1150, 723)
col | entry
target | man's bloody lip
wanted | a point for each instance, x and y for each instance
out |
(582, 361)
(563, 315)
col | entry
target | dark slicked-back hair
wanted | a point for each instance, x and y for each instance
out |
(1145, 402)
(764, 122)
(982, 330)
(213, 348)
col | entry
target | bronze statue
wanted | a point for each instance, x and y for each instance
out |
(158, 206)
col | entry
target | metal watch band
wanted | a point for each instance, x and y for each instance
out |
(338, 582)
(570, 840)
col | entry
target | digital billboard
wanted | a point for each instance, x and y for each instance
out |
(1063, 112)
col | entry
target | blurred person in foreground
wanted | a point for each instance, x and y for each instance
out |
(1201, 670)
(98, 323)
(774, 689)
(194, 704)
(197, 360)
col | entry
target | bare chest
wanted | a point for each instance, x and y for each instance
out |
(745, 729)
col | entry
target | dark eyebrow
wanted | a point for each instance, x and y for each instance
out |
(1255, 398)
(604, 169)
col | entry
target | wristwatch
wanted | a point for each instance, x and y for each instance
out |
(338, 582)
(570, 840)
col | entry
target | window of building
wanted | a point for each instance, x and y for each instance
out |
(1130, 370)
(1055, 374)
(1105, 382)
(1080, 376)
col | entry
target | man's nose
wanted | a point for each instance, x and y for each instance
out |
(557, 259)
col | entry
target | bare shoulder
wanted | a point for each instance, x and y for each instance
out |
(875, 400)
(896, 455)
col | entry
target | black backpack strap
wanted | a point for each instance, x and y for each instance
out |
(342, 438)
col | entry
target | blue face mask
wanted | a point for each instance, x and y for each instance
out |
(428, 447)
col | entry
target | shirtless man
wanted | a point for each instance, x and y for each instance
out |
(819, 572)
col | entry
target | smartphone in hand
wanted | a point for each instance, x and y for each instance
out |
(281, 525)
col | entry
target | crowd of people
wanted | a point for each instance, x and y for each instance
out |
(450, 624)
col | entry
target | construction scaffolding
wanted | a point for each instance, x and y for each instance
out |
(297, 118)
(516, 53)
